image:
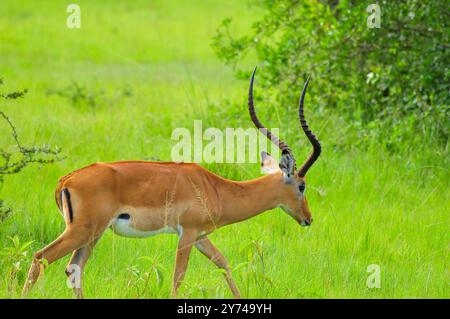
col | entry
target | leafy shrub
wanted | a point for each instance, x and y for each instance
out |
(394, 78)
(84, 97)
(15, 257)
(79, 95)
(14, 159)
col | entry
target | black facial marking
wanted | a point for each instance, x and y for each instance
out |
(301, 188)
(124, 216)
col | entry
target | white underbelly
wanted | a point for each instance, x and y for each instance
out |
(122, 227)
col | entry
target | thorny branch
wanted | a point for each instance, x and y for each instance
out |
(15, 160)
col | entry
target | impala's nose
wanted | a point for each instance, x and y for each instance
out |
(306, 222)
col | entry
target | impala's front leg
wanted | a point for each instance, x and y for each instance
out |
(187, 239)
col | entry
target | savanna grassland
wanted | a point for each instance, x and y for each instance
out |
(116, 88)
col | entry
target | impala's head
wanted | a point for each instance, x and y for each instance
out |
(292, 184)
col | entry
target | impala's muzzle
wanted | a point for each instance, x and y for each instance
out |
(306, 222)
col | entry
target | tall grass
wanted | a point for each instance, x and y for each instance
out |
(150, 69)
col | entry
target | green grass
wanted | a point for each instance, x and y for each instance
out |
(369, 207)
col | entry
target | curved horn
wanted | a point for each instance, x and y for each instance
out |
(251, 108)
(317, 148)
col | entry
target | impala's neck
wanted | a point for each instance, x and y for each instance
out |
(243, 200)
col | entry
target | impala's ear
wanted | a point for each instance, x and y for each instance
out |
(287, 165)
(269, 164)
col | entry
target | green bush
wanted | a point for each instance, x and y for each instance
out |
(391, 84)
(14, 158)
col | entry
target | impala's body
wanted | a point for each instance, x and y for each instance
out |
(167, 197)
(141, 199)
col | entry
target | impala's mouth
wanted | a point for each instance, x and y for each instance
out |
(305, 222)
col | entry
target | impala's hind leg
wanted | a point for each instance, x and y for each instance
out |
(74, 269)
(71, 239)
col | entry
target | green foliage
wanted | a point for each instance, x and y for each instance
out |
(255, 269)
(146, 283)
(14, 160)
(80, 95)
(14, 260)
(5, 210)
(83, 97)
(390, 83)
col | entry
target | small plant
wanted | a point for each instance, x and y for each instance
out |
(14, 258)
(141, 280)
(14, 160)
(5, 210)
(255, 266)
(80, 95)
(205, 288)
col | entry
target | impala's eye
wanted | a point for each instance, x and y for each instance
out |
(302, 188)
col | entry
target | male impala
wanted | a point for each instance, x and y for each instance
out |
(140, 199)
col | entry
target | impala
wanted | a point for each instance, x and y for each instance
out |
(141, 199)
